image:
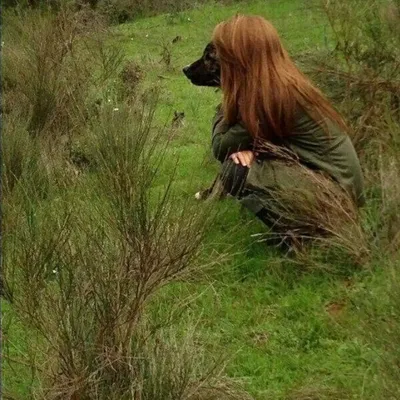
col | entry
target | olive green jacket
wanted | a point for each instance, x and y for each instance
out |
(332, 153)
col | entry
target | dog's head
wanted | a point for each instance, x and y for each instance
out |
(206, 71)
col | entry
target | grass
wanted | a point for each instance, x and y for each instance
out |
(286, 331)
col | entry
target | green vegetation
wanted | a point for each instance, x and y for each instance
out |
(118, 284)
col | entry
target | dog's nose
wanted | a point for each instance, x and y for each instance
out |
(186, 69)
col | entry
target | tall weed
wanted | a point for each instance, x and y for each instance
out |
(83, 265)
(362, 75)
(51, 65)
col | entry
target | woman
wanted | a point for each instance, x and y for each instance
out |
(268, 103)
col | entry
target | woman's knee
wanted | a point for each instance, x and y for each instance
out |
(233, 177)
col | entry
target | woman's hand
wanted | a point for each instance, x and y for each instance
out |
(243, 157)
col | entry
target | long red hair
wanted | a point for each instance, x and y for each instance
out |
(261, 85)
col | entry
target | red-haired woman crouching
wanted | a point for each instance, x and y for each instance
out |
(283, 146)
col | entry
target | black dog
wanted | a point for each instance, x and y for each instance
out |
(206, 71)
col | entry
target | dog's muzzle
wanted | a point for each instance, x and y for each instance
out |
(186, 70)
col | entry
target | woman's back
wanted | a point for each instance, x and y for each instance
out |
(329, 150)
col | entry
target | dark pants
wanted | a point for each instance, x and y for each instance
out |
(233, 178)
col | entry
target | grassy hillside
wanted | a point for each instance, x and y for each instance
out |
(288, 328)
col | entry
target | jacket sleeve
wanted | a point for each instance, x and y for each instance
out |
(228, 139)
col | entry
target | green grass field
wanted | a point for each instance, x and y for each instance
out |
(287, 332)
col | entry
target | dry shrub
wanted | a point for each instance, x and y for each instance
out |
(83, 267)
(55, 64)
(115, 11)
(383, 215)
(361, 75)
(51, 63)
(166, 54)
(322, 214)
(131, 76)
(119, 11)
(362, 72)
(17, 153)
(30, 166)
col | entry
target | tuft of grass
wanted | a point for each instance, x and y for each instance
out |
(82, 267)
(51, 64)
(316, 210)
